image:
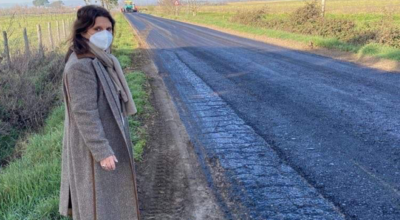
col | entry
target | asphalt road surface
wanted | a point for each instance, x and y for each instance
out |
(294, 135)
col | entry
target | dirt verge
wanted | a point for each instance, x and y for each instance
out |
(171, 183)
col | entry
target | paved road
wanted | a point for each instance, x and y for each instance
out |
(295, 135)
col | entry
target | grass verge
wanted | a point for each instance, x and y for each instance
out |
(125, 46)
(29, 186)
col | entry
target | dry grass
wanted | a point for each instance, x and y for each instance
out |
(29, 87)
(30, 90)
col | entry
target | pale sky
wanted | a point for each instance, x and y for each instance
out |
(27, 1)
(10, 3)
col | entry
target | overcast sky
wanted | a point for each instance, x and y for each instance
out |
(10, 3)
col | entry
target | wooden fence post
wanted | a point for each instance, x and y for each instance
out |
(323, 8)
(64, 34)
(58, 32)
(68, 27)
(50, 36)
(39, 30)
(26, 41)
(6, 49)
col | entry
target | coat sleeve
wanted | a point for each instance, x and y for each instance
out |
(82, 86)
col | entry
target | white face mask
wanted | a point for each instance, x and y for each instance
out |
(102, 39)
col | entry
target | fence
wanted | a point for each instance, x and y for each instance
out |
(44, 42)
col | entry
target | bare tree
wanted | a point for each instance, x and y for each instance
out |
(167, 6)
(193, 7)
(109, 3)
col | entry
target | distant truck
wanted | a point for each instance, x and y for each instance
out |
(129, 6)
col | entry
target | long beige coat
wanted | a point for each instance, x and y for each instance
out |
(94, 130)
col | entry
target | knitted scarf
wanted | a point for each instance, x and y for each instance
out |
(115, 71)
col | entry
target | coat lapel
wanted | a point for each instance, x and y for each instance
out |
(110, 92)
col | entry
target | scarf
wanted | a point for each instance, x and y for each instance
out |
(115, 71)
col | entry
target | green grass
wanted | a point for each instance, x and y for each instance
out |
(380, 51)
(29, 186)
(139, 134)
(125, 61)
(123, 48)
(7, 141)
(123, 40)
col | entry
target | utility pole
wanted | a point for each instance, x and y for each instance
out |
(323, 8)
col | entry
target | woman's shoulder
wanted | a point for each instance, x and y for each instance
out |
(79, 64)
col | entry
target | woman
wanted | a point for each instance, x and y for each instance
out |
(98, 174)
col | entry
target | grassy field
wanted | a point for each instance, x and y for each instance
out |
(29, 186)
(14, 26)
(373, 17)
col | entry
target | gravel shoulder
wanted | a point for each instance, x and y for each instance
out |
(171, 182)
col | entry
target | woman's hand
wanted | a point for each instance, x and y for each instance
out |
(108, 163)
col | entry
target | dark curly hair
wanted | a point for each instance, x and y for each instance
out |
(86, 18)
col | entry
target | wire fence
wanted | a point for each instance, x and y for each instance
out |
(40, 38)
(30, 30)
